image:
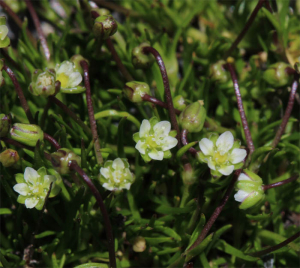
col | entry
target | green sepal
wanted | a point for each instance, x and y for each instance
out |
(21, 199)
(167, 154)
(20, 178)
(74, 90)
(251, 200)
(173, 133)
(136, 137)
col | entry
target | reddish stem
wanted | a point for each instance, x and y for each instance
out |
(20, 93)
(111, 245)
(160, 103)
(168, 95)
(276, 184)
(184, 141)
(93, 124)
(52, 141)
(217, 211)
(39, 29)
(241, 108)
(288, 112)
(273, 248)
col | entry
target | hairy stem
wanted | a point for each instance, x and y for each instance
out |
(158, 102)
(168, 95)
(93, 123)
(287, 113)
(273, 248)
(241, 108)
(111, 245)
(184, 141)
(39, 29)
(52, 141)
(276, 184)
(19, 93)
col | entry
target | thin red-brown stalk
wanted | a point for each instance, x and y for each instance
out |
(168, 95)
(276, 184)
(111, 245)
(93, 123)
(39, 30)
(52, 141)
(115, 7)
(184, 141)
(20, 93)
(273, 248)
(241, 108)
(287, 113)
(160, 103)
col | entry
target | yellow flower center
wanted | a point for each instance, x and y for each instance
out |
(64, 80)
(220, 159)
(151, 142)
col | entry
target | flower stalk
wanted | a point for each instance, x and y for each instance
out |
(51, 140)
(158, 102)
(276, 184)
(184, 141)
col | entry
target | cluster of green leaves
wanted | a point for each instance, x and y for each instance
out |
(191, 36)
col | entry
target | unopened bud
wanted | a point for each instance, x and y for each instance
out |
(43, 83)
(218, 73)
(140, 60)
(104, 27)
(179, 103)
(135, 91)
(27, 134)
(60, 160)
(4, 39)
(76, 59)
(139, 244)
(276, 75)
(9, 157)
(188, 175)
(4, 125)
(193, 117)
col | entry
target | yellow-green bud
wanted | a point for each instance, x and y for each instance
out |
(27, 134)
(43, 83)
(188, 175)
(193, 117)
(9, 157)
(4, 125)
(179, 103)
(139, 244)
(276, 75)
(135, 91)
(140, 60)
(60, 160)
(4, 40)
(76, 59)
(218, 73)
(104, 27)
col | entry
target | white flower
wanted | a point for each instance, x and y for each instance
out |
(155, 139)
(3, 32)
(115, 175)
(69, 77)
(33, 187)
(222, 154)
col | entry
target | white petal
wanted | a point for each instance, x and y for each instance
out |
(74, 79)
(240, 195)
(48, 179)
(31, 175)
(31, 202)
(227, 170)
(141, 147)
(206, 146)
(156, 155)
(243, 177)
(21, 188)
(211, 165)
(66, 67)
(145, 128)
(3, 31)
(118, 164)
(108, 186)
(169, 143)
(162, 128)
(105, 172)
(237, 155)
(225, 142)
(127, 186)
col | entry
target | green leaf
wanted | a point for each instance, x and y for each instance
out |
(134, 210)
(168, 231)
(271, 18)
(197, 231)
(5, 211)
(184, 149)
(259, 217)
(121, 153)
(92, 265)
(44, 234)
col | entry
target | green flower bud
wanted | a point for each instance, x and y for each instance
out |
(4, 40)
(193, 116)
(43, 83)
(188, 175)
(139, 244)
(250, 190)
(276, 75)
(179, 103)
(4, 124)
(218, 73)
(60, 160)
(140, 60)
(76, 59)
(26, 133)
(9, 157)
(135, 91)
(104, 27)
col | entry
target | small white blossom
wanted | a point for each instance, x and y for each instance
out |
(222, 154)
(4, 39)
(3, 32)
(115, 175)
(155, 139)
(33, 187)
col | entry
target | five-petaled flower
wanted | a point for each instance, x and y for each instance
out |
(115, 175)
(33, 187)
(250, 190)
(155, 139)
(221, 153)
